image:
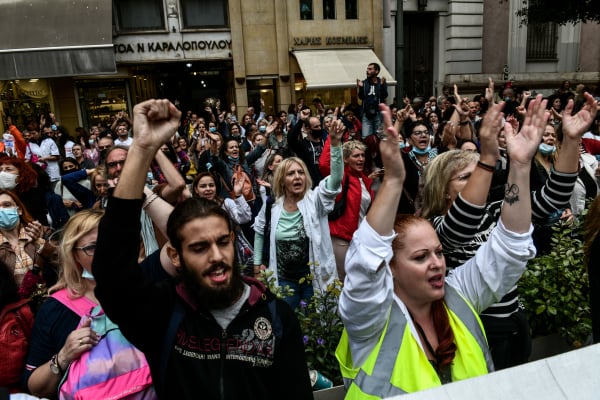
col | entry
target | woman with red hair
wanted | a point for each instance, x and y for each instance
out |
(20, 178)
(408, 326)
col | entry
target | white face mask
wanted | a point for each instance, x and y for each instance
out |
(85, 274)
(8, 181)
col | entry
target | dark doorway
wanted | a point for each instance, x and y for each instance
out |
(191, 83)
(418, 54)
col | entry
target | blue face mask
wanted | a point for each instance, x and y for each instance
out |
(402, 145)
(9, 218)
(212, 129)
(262, 129)
(85, 274)
(507, 98)
(420, 152)
(233, 158)
(546, 149)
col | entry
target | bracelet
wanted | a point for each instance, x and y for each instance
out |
(149, 200)
(486, 167)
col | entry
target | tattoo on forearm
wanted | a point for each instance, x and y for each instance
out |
(511, 196)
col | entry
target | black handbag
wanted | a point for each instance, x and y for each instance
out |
(340, 206)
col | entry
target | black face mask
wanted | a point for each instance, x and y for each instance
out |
(103, 153)
(316, 134)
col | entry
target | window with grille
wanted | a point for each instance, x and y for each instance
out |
(541, 41)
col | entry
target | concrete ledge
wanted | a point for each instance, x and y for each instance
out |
(572, 375)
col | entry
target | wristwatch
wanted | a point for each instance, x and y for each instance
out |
(55, 366)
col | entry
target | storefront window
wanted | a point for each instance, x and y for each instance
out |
(100, 101)
(133, 15)
(306, 9)
(331, 98)
(204, 13)
(23, 100)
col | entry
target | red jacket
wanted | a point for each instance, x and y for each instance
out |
(345, 226)
(591, 146)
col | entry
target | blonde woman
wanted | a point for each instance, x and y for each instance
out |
(298, 230)
(58, 338)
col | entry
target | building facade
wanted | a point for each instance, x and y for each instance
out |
(466, 41)
(86, 60)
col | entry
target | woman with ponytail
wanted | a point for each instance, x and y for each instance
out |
(408, 326)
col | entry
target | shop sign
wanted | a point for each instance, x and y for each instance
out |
(170, 47)
(329, 40)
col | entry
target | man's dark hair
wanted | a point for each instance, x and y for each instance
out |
(189, 210)
(376, 66)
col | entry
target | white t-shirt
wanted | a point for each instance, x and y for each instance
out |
(49, 148)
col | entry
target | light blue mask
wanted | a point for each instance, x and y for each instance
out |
(420, 152)
(262, 129)
(87, 275)
(402, 145)
(212, 129)
(546, 149)
(9, 218)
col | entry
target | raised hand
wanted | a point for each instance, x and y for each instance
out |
(305, 114)
(154, 122)
(271, 128)
(574, 126)
(522, 146)
(238, 185)
(389, 148)
(489, 131)
(336, 129)
(489, 91)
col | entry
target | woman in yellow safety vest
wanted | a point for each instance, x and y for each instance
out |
(408, 327)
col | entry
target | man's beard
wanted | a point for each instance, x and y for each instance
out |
(212, 298)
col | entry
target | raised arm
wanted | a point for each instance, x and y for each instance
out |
(154, 123)
(175, 182)
(573, 127)
(521, 147)
(390, 191)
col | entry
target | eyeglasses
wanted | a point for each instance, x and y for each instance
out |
(420, 133)
(88, 250)
(462, 177)
(113, 164)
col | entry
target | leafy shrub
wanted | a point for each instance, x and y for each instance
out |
(555, 288)
(321, 327)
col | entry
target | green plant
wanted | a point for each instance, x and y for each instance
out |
(322, 329)
(320, 324)
(555, 287)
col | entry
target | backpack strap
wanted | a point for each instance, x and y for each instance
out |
(176, 318)
(275, 320)
(80, 306)
(267, 231)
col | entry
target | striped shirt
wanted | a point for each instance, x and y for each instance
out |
(467, 226)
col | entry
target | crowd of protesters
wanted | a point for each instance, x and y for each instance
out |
(168, 222)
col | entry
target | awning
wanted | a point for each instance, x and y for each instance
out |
(51, 38)
(340, 68)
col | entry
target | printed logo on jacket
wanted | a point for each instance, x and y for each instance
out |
(255, 346)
